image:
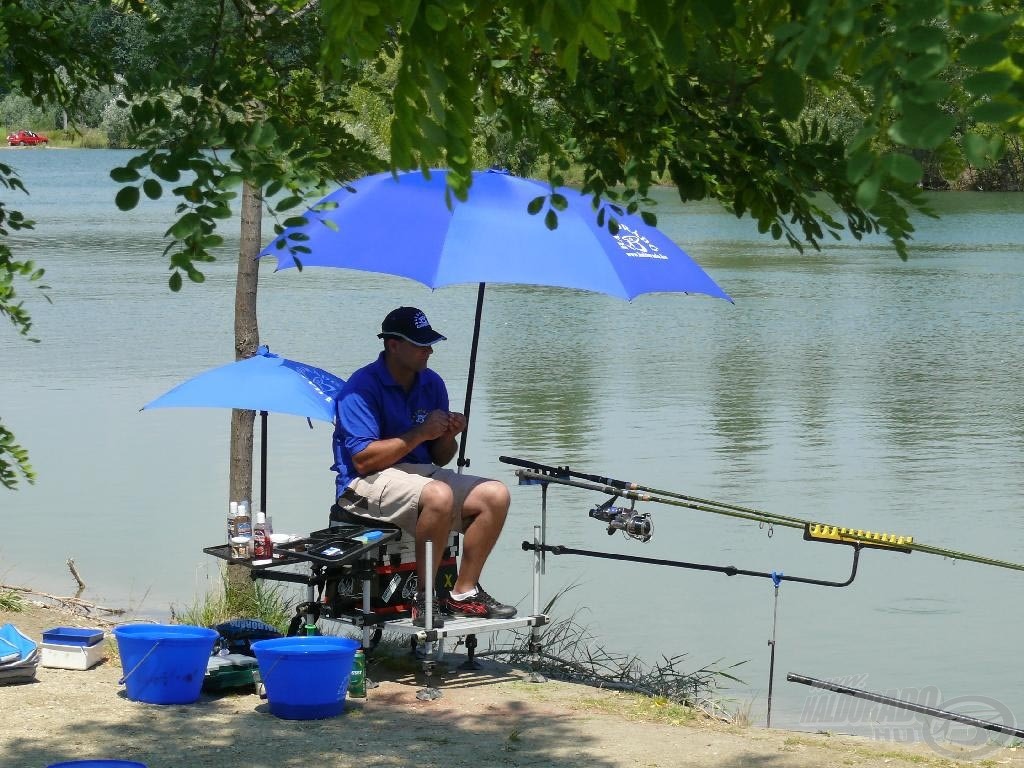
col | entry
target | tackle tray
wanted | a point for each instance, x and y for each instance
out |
(223, 551)
(329, 546)
(337, 546)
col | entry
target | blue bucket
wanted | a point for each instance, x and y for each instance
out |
(98, 764)
(306, 677)
(164, 663)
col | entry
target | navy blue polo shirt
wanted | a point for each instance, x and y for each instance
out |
(373, 406)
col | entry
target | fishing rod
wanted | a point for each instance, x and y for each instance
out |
(638, 526)
(913, 706)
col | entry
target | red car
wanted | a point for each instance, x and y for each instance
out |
(26, 138)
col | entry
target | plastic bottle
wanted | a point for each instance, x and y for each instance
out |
(242, 540)
(232, 514)
(243, 523)
(240, 546)
(357, 679)
(262, 545)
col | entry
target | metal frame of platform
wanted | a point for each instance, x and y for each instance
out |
(432, 638)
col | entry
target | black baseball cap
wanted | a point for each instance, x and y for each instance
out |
(410, 324)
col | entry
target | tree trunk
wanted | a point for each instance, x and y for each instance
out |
(247, 338)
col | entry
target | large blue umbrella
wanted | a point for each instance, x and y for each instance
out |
(264, 382)
(410, 225)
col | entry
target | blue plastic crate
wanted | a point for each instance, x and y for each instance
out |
(72, 636)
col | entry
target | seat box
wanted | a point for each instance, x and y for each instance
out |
(58, 656)
(392, 588)
(72, 636)
(393, 583)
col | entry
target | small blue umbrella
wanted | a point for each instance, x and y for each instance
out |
(409, 225)
(264, 382)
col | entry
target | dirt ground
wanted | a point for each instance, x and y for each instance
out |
(487, 718)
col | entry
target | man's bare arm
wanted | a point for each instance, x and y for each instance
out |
(381, 454)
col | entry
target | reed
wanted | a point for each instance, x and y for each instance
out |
(11, 602)
(259, 600)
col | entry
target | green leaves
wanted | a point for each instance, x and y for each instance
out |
(867, 191)
(985, 23)
(983, 53)
(436, 17)
(988, 83)
(14, 461)
(982, 151)
(152, 188)
(924, 126)
(787, 88)
(127, 198)
(903, 167)
(124, 175)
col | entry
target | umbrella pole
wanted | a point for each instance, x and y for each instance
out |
(263, 460)
(463, 461)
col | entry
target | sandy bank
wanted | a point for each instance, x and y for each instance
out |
(488, 718)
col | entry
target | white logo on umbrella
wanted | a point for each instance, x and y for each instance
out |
(636, 245)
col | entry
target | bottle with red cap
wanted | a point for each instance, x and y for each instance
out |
(262, 544)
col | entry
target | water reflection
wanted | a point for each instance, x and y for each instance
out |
(548, 401)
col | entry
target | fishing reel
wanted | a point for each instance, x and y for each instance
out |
(636, 525)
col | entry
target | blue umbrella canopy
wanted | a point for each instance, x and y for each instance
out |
(264, 382)
(410, 225)
(402, 225)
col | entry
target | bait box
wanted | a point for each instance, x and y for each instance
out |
(60, 656)
(236, 670)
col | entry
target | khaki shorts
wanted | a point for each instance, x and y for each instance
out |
(393, 495)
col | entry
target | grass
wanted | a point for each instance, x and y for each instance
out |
(868, 751)
(662, 691)
(84, 138)
(12, 602)
(570, 652)
(651, 709)
(258, 600)
(113, 651)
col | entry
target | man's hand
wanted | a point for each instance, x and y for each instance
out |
(444, 446)
(456, 424)
(435, 425)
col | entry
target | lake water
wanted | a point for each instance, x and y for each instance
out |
(845, 386)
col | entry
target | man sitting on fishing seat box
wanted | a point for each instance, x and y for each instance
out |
(393, 436)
